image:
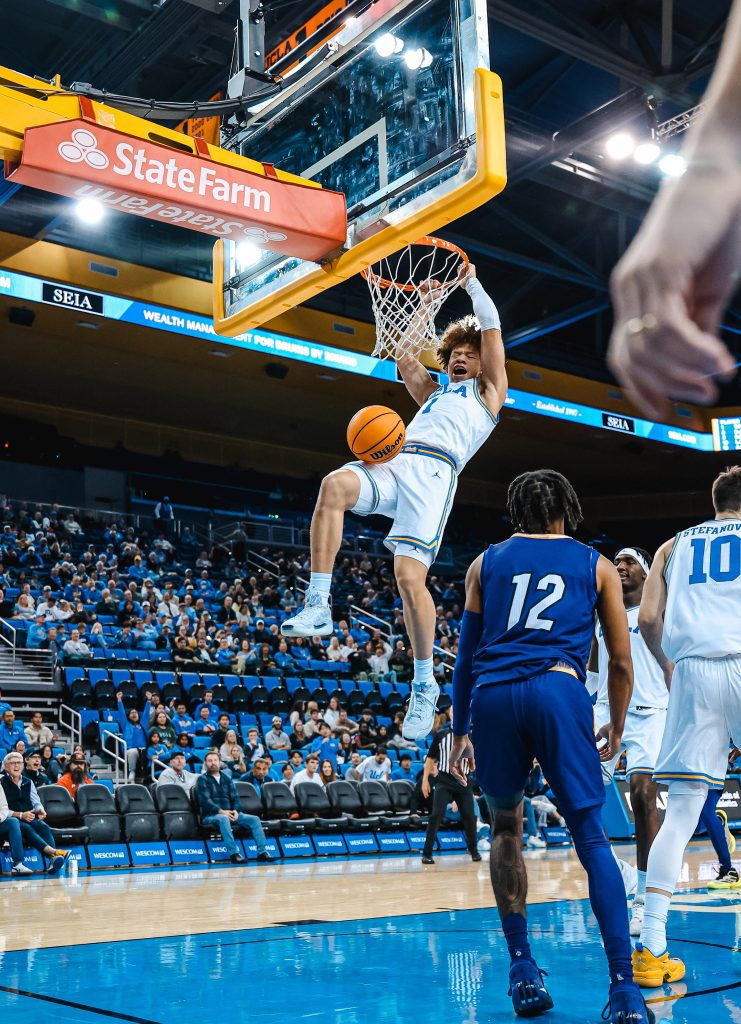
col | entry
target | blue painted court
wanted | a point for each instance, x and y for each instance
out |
(448, 966)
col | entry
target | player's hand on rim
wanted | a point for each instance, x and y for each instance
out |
(461, 759)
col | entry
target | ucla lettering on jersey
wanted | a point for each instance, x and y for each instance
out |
(649, 687)
(538, 599)
(703, 605)
(454, 418)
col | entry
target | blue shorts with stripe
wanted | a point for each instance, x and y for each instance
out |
(549, 718)
(416, 491)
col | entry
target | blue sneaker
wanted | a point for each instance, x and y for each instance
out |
(626, 1005)
(529, 995)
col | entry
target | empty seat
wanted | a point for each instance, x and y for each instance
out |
(171, 798)
(141, 822)
(312, 802)
(62, 816)
(251, 803)
(344, 799)
(280, 804)
(400, 793)
(176, 813)
(376, 802)
(99, 814)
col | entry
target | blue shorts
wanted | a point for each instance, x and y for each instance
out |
(549, 717)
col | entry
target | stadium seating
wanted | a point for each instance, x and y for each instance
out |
(98, 811)
(280, 804)
(62, 816)
(140, 820)
(376, 802)
(312, 802)
(344, 799)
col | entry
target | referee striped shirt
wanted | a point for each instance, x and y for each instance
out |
(440, 750)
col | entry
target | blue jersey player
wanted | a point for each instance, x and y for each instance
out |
(519, 679)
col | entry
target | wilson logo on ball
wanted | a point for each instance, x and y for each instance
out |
(375, 434)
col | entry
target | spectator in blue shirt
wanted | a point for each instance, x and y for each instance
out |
(10, 731)
(4, 706)
(403, 770)
(182, 722)
(258, 774)
(133, 733)
(284, 659)
(219, 804)
(325, 745)
(157, 749)
(208, 702)
(36, 633)
(97, 641)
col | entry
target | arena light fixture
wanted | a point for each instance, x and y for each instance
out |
(620, 146)
(417, 58)
(647, 153)
(673, 165)
(90, 211)
(248, 255)
(388, 44)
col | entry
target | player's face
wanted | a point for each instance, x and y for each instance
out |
(465, 362)
(630, 572)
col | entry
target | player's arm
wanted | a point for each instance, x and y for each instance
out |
(493, 372)
(614, 622)
(592, 683)
(419, 383)
(468, 641)
(651, 612)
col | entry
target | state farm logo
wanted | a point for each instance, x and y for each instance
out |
(83, 146)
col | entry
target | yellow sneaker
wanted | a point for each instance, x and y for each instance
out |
(730, 838)
(62, 853)
(651, 971)
(726, 880)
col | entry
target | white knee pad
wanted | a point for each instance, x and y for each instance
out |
(686, 800)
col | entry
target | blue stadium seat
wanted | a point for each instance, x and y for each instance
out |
(108, 783)
(120, 675)
(210, 679)
(365, 686)
(202, 742)
(96, 675)
(158, 656)
(163, 678)
(316, 665)
(272, 683)
(71, 674)
(142, 677)
(249, 682)
(292, 684)
(190, 679)
(87, 715)
(386, 690)
(392, 754)
(276, 773)
(230, 682)
(279, 755)
(247, 722)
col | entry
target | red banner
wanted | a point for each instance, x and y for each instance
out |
(84, 160)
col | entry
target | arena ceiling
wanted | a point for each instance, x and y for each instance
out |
(574, 71)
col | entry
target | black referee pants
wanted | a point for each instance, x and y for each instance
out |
(447, 789)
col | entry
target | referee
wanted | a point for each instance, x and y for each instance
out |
(446, 789)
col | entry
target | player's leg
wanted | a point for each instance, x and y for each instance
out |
(440, 799)
(715, 824)
(419, 619)
(643, 792)
(503, 763)
(563, 735)
(601, 718)
(463, 796)
(339, 492)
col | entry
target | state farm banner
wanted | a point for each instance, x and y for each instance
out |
(84, 160)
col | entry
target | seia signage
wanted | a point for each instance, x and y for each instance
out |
(85, 160)
(71, 298)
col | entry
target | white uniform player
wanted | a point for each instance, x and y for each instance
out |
(690, 618)
(644, 723)
(416, 489)
(702, 636)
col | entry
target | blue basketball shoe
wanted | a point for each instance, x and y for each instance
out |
(527, 989)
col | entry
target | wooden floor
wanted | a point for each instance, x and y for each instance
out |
(37, 913)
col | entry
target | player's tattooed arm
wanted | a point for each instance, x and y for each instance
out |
(506, 866)
(651, 613)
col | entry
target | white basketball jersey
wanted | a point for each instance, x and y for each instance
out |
(455, 419)
(703, 605)
(649, 688)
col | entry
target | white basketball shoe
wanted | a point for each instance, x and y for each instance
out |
(420, 715)
(314, 619)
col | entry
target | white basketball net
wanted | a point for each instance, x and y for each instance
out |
(407, 290)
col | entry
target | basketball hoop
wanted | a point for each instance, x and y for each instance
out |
(407, 290)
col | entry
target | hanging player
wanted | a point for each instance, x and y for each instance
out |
(524, 643)
(644, 723)
(690, 618)
(415, 489)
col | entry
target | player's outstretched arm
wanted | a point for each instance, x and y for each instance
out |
(493, 373)
(419, 383)
(614, 622)
(671, 287)
(468, 641)
(651, 612)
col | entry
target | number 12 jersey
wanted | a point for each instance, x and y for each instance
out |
(538, 602)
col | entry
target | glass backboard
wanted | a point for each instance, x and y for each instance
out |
(390, 113)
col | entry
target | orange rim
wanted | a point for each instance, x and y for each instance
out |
(433, 243)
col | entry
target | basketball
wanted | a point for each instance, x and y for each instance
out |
(375, 434)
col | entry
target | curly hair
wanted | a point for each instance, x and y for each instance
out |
(536, 498)
(465, 331)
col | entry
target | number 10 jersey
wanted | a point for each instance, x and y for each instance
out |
(538, 602)
(703, 604)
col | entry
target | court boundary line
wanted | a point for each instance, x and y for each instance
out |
(76, 1006)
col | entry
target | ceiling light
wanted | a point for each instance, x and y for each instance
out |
(418, 58)
(248, 255)
(90, 211)
(672, 165)
(619, 146)
(388, 44)
(647, 153)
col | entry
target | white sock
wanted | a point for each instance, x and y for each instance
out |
(653, 931)
(321, 582)
(423, 670)
(641, 890)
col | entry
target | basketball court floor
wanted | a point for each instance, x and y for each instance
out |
(378, 941)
